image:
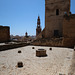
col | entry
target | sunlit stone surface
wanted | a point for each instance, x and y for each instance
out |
(58, 61)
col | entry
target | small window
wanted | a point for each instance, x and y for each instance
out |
(57, 11)
(56, 33)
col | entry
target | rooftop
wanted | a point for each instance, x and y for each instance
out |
(58, 61)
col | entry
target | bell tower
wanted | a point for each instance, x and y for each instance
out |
(38, 29)
(26, 34)
(54, 12)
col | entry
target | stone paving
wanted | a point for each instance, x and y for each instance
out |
(58, 61)
(72, 67)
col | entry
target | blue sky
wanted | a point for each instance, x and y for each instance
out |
(21, 15)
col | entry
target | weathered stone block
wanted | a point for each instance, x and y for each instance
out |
(41, 53)
(19, 64)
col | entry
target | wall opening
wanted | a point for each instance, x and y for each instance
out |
(57, 11)
(19, 51)
(56, 33)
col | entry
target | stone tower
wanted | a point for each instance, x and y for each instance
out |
(26, 34)
(38, 29)
(54, 12)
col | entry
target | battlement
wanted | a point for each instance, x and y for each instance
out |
(71, 16)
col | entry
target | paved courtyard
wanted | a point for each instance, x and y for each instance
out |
(58, 61)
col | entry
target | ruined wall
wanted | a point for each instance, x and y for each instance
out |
(54, 21)
(38, 31)
(69, 30)
(4, 33)
(41, 35)
(49, 42)
(13, 45)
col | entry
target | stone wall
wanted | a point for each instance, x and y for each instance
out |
(69, 30)
(53, 21)
(63, 21)
(4, 33)
(68, 37)
(12, 46)
(49, 42)
(42, 34)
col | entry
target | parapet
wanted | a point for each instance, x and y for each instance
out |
(70, 16)
(4, 26)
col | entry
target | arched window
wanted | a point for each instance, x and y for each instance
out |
(57, 11)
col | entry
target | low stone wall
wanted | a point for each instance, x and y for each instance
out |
(12, 46)
(56, 42)
(69, 42)
(49, 42)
